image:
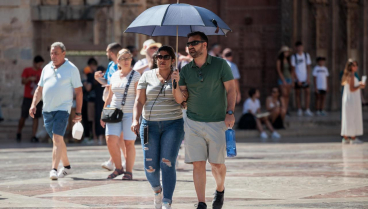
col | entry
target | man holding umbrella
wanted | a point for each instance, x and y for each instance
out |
(211, 103)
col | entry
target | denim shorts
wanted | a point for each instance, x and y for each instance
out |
(288, 81)
(123, 126)
(56, 122)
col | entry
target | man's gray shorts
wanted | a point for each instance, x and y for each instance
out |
(205, 140)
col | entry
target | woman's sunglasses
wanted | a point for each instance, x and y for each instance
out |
(164, 57)
(194, 43)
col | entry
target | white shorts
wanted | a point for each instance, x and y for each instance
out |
(116, 128)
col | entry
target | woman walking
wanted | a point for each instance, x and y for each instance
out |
(352, 117)
(163, 123)
(284, 71)
(120, 98)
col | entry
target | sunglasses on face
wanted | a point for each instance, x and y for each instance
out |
(164, 57)
(194, 43)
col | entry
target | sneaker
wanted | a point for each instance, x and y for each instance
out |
(323, 113)
(264, 135)
(276, 135)
(318, 113)
(166, 205)
(158, 200)
(308, 113)
(201, 205)
(300, 112)
(34, 139)
(64, 172)
(53, 175)
(356, 141)
(108, 165)
(19, 137)
(218, 200)
(345, 141)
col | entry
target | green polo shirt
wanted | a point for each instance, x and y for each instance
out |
(207, 99)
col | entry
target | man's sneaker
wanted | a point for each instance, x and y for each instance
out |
(264, 135)
(64, 172)
(276, 135)
(356, 141)
(308, 113)
(158, 200)
(19, 137)
(34, 139)
(300, 112)
(108, 165)
(53, 175)
(166, 205)
(218, 200)
(345, 141)
(201, 205)
(323, 113)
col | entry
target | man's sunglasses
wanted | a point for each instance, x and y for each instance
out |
(165, 57)
(194, 43)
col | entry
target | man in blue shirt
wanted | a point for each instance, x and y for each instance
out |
(58, 80)
(227, 54)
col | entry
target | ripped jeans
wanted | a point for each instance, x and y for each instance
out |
(160, 153)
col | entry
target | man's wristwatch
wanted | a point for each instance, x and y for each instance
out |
(230, 112)
(78, 114)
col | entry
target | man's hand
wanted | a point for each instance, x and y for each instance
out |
(32, 78)
(32, 111)
(77, 118)
(175, 76)
(102, 124)
(98, 74)
(238, 98)
(135, 127)
(229, 120)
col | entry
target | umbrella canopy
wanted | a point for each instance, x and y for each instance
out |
(163, 20)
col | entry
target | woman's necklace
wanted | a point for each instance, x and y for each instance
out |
(158, 73)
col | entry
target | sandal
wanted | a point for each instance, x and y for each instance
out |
(116, 173)
(128, 176)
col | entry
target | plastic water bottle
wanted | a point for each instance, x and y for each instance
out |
(77, 130)
(230, 143)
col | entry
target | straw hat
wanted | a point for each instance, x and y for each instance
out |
(148, 44)
(284, 49)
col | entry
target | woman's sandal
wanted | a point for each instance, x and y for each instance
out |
(116, 173)
(128, 176)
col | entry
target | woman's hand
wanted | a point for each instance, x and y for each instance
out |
(102, 124)
(135, 127)
(175, 76)
(362, 85)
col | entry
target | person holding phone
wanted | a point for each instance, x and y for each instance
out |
(162, 126)
(352, 117)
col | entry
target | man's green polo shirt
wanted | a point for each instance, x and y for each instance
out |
(207, 101)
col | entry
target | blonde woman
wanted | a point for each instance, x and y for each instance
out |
(352, 117)
(116, 99)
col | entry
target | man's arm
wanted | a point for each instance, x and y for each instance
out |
(99, 78)
(79, 101)
(36, 99)
(231, 98)
(238, 93)
(308, 71)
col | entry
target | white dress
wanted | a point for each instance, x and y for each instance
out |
(352, 117)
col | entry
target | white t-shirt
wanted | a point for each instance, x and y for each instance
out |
(234, 69)
(251, 106)
(140, 64)
(300, 65)
(321, 74)
(118, 85)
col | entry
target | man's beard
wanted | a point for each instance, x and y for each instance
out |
(196, 54)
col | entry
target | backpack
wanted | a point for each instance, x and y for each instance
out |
(296, 60)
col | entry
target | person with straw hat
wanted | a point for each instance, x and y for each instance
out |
(149, 48)
(285, 72)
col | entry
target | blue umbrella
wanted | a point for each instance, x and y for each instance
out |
(177, 20)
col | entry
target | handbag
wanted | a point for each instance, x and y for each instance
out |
(115, 115)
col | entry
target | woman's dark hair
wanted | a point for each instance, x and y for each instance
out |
(38, 59)
(281, 58)
(252, 91)
(167, 49)
(154, 60)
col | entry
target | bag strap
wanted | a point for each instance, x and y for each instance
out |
(127, 87)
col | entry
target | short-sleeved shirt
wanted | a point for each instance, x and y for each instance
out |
(300, 63)
(30, 87)
(112, 67)
(321, 74)
(141, 63)
(251, 106)
(207, 101)
(234, 69)
(164, 107)
(58, 86)
(118, 85)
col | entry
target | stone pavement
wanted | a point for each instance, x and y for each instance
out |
(263, 176)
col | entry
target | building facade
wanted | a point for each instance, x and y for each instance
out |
(336, 29)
